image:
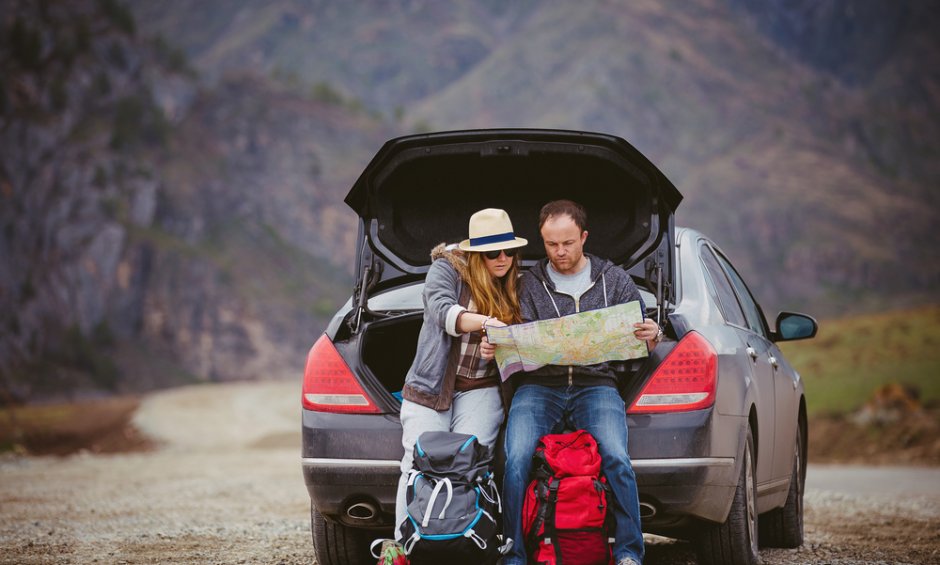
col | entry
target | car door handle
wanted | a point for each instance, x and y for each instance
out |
(773, 361)
(750, 351)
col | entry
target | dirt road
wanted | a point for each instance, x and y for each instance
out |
(225, 487)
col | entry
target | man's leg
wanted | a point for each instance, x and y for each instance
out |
(600, 411)
(535, 411)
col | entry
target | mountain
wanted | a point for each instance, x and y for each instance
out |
(802, 133)
(382, 54)
(157, 231)
(812, 180)
(173, 172)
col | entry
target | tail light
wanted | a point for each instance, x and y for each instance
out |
(330, 385)
(685, 380)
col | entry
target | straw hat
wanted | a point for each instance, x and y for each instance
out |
(490, 229)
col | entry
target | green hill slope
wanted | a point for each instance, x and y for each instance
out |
(852, 357)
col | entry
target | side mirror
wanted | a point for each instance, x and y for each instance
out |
(792, 326)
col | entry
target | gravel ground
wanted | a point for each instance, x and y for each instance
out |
(225, 487)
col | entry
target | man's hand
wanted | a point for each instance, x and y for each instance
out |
(487, 349)
(647, 331)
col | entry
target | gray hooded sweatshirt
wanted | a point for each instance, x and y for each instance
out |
(540, 300)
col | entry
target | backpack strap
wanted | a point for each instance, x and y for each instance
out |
(433, 498)
(487, 488)
(475, 538)
(410, 542)
(550, 530)
(609, 526)
(541, 495)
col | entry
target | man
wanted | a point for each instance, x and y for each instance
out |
(585, 397)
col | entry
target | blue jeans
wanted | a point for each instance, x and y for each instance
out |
(535, 411)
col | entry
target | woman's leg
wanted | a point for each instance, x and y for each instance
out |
(478, 412)
(415, 420)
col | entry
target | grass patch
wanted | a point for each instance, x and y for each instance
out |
(851, 357)
(98, 426)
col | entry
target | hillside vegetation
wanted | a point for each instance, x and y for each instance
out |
(871, 387)
(852, 357)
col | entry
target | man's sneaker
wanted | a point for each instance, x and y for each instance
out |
(628, 561)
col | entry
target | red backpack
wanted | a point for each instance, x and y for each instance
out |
(564, 516)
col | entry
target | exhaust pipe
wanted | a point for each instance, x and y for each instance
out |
(362, 511)
(647, 510)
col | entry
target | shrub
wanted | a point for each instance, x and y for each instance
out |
(119, 15)
(25, 45)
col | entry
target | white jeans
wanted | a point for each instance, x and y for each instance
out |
(476, 412)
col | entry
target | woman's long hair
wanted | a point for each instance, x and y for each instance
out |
(494, 296)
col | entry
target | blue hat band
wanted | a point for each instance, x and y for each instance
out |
(498, 238)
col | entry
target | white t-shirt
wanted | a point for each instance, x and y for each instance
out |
(574, 285)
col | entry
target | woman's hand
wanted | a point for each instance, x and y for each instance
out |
(487, 349)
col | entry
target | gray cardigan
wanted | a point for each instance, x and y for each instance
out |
(540, 300)
(430, 380)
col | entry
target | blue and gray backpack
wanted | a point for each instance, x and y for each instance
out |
(453, 503)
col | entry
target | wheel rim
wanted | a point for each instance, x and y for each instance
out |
(751, 503)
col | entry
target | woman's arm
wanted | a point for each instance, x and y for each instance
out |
(441, 296)
(473, 322)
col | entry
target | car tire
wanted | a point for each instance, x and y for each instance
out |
(783, 527)
(336, 544)
(735, 541)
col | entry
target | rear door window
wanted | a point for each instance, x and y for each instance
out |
(721, 289)
(755, 319)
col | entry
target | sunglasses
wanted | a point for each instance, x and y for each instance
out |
(495, 254)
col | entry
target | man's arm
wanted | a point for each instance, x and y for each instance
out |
(628, 292)
(647, 330)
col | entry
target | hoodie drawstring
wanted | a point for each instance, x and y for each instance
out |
(552, 298)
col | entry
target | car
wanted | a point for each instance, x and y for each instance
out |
(716, 414)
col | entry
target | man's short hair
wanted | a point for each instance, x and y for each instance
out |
(561, 207)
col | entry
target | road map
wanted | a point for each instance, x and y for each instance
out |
(584, 338)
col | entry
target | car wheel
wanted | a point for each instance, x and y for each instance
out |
(735, 541)
(336, 544)
(783, 527)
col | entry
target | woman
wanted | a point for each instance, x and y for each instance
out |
(453, 384)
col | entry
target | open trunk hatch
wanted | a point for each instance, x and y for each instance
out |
(420, 190)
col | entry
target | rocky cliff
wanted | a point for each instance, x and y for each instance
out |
(154, 230)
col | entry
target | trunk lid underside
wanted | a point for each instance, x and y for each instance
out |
(419, 191)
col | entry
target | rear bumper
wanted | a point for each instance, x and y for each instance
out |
(673, 490)
(352, 459)
(685, 464)
(335, 485)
